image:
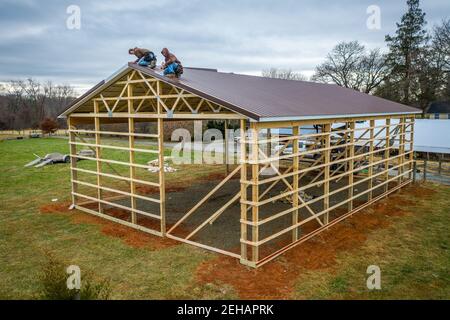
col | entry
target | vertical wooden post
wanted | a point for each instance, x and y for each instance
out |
(226, 147)
(387, 153)
(73, 160)
(255, 190)
(346, 137)
(295, 167)
(351, 165)
(371, 156)
(401, 150)
(98, 155)
(326, 185)
(425, 164)
(132, 155)
(162, 185)
(243, 191)
(411, 146)
(440, 164)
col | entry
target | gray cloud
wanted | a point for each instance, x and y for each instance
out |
(238, 36)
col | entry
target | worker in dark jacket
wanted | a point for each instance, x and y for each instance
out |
(172, 66)
(145, 57)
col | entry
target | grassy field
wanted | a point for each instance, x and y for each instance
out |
(408, 236)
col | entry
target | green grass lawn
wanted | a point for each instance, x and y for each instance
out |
(412, 251)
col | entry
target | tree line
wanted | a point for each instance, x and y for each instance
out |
(26, 104)
(415, 70)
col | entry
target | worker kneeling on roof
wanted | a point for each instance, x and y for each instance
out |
(145, 57)
(172, 66)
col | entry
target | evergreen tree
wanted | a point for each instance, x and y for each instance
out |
(406, 50)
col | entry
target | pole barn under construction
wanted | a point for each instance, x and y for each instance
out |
(338, 151)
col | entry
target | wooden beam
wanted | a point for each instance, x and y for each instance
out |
(73, 161)
(98, 153)
(204, 199)
(120, 221)
(295, 182)
(370, 170)
(226, 147)
(387, 152)
(132, 169)
(401, 149)
(411, 144)
(243, 160)
(147, 115)
(162, 188)
(326, 185)
(215, 215)
(255, 189)
(351, 165)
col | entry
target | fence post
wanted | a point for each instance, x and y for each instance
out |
(414, 171)
(425, 168)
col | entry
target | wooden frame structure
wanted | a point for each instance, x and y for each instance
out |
(351, 164)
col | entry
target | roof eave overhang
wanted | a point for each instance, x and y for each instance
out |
(335, 116)
(102, 85)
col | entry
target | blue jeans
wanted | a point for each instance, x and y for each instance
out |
(171, 68)
(142, 62)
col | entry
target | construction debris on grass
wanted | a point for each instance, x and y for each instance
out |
(153, 166)
(56, 157)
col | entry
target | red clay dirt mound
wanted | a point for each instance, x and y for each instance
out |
(62, 207)
(276, 279)
(130, 236)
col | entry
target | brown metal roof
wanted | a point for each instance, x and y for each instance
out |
(266, 99)
(259, 97)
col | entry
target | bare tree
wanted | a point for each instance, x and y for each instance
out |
(349, 65)
(373, 70)
(62, 94)
(441, 43)
(286, 74)
(440, 59)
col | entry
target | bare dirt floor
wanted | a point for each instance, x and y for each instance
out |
(224, 232)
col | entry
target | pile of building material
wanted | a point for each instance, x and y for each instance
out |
(153, 166)
(56, 157)
(49, 158)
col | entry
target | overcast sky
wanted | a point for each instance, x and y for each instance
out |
(233, 36)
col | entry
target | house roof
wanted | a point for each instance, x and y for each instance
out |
(439, 107)
(268, 99)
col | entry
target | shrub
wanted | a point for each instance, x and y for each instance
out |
(48, 125)
(54, 284)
